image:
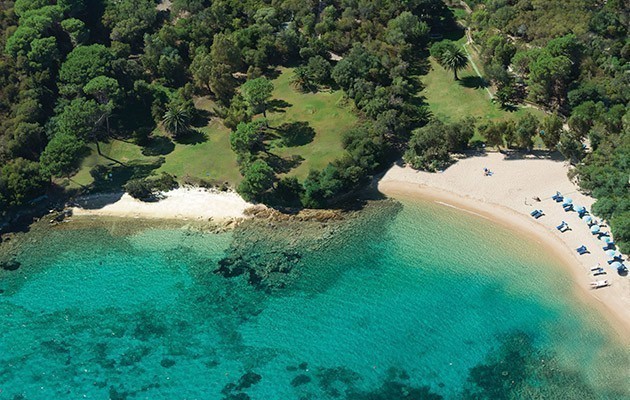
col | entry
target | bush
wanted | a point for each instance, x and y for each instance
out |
(165, 182)
(140, 189)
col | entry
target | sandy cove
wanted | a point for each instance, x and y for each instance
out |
(507, 197)
(186, 203)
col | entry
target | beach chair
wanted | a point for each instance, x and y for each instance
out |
(568, 207)
(582, 250)
(534, 213)
(562, 225)
(556, 196)
(615, 259)
(609, 246)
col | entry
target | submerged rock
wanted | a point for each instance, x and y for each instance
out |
(300, 380)
(10, 265)
(269, 249)
(247, 380)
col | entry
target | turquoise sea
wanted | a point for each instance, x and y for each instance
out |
(417, 301)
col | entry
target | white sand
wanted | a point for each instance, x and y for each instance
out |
(506, 197)
(183, 203)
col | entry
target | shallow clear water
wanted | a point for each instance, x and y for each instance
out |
(431, 304)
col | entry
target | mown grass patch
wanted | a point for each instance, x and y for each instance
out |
(325, 112)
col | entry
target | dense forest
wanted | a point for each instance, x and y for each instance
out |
(77, 73)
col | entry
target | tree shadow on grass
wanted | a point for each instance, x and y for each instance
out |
(278, 105)
(201, 118)
(283, 165)
(473, 82)
(194, 136)
(296, 133)
(108, 178)
(158, 146)
(509, 107)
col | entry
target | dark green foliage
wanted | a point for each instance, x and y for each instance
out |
(76, 30)
(83, 64)
(149, 187)
(62, 155)
(256, 93)
(449, 55)
(129, 20)
(551, 128)
(430, 146)
(81, 118)
(571, 147)
(494, 133)
(258, 179)
(140, 189)
(526, 129)
(247, 138)
(20, 181)
(176, 120)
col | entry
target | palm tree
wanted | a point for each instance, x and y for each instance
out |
(454, 59)
(301, 79)
(176, 121)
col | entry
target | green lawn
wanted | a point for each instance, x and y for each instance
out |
(207, 155)
(451, 100)
(324, 111)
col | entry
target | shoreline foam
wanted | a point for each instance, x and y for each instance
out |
(464, 187)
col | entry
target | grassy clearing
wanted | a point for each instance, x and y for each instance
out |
(324, 111)
(451, 100)
(206, 154)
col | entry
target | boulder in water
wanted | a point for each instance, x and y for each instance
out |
(10, 265)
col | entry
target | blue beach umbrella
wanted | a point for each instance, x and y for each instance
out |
(581, 209)
(611, 253)
(567, 200)
(615, 265)
(594, 228)
(587, 218)
(605, 239)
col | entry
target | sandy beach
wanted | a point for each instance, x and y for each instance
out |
(184, 203)
(507, 197)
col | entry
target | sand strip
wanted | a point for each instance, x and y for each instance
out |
(507, 198)
(185, 203)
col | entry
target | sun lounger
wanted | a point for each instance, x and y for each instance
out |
(599, 284)
(609, 246)
(615, 259)
(568, 207)
(599, 272)
(561, 226)
(595, 267)
(534, 213)
(557, 196)
(582, 250)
